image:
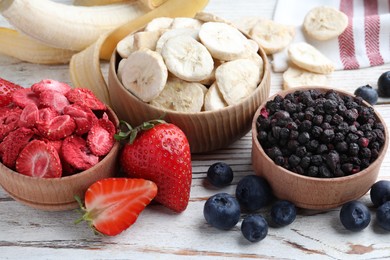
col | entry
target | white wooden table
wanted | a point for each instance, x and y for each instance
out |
(26, 233)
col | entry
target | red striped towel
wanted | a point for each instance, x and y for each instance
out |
(365, 42)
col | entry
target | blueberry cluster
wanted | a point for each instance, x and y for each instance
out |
(320, 134)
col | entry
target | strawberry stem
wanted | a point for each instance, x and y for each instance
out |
(130, 133)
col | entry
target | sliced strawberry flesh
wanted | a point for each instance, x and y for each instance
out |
(100, 138)
(24, 96)
(9, 121)
(47, 114)
(83, 116)
(53, 99)
(75, 152)
(85, 97)
(58, 128)
(50, 84)
(29, 116)
(39, 159)
(6, 90)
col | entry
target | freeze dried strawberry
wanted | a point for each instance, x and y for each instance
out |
(107, 124)
(75, 152)
(86, 97)
(9, 119)
(47, 114)
(53, 99)
(83, 116)
(55, 143)
(24, 96)
(39, 159)
(29, 116)
(50, 84)
(6, 90)
(13, 143)
(57, 128)
(67, 169)
(100, 140)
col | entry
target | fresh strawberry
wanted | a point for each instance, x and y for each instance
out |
(100, 138)
(160, 153)
(9, 120)
(53, 99)
(112, 205)
(50, 84)
(13, 143)
(83, 117)
(29, 116)
(6, 90)
(39, 159)
(85, 97)
(75, 152)
(24, 96)
(57, 128)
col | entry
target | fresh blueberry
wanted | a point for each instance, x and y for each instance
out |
(254, 228)
(283, 213)
(253, 192)
(383, 215)
(384, 84)
(355, 216)
(222, 211)
(220, 174)
(367, 93)
(380, 192)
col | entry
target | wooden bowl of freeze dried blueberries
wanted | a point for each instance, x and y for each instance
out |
(318, 147)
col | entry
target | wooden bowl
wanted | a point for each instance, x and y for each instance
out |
(311, 192)
(57, 194)
(206, 130)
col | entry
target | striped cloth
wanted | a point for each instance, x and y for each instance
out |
(365, 42)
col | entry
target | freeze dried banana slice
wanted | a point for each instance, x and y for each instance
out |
(187, 59)
(158, 24)
(223, 41)
(213, 99)
(121, 64)
(125, 46)
(146, 40)
(271, 36)
(296, 77)
(208, 17)
(246, 24)
(307, 57)
(173, 33)
(237, 80)
(144, 74)
(186, 22)
(324, 23)
(181, 96)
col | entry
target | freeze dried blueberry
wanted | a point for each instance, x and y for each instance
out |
(365, 153)
(342, 147)
(363, 142)
(305, 162)
(312, 145)
(292, 145)
(316, 160)
(303, 137)
(312, 171)
(276, 132)
(327, 136)
(294, 134)
(338, 137)
(318, 120)
(343, 128)
(273, 152)
(305, 126)
(294, 160)
(353, 149)
(351, 138)
(309, 115)
(332, 159)
(347, 168)
(337, 119)
(324, 172)
(284, 133)
(328, 118)
(330, 106)
(322, 148)
(316, 131)
(279, 160)
(351, 115)
(301, 151)
(326, 125)
(262, 136)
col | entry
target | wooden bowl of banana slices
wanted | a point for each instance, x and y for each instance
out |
(201, 73)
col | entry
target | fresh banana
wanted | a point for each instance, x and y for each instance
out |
(237, 80)
(296, 77)
(309, 58)
(180, 96)
(213, 99)
(144, 74)
(271, 36)
(66, 26)
(324, 23)
(223, 41)
(187, 59)
(22, 47)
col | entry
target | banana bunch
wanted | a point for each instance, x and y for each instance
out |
(81, 34)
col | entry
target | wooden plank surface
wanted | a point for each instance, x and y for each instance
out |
(27, 233)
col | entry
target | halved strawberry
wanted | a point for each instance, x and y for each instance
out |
(83, 116)
(85, 97)
(13, 143)
(75, 152)
(50, 84)
(100, 138)
(24, 96)
(53, 99)
(39, 159)
(9, 119)
(6, 90)
(29, 116)
(112, 205)
(57, 128)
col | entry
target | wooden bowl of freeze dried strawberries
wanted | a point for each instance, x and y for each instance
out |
(48, 166)
(317, 147)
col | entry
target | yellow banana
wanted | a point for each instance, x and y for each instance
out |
(96, 2)
(22, 47)
(67, 26)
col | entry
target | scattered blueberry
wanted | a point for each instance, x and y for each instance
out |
(253, 192)
(283, 213)
(222, 211)
(355, 216)
(384, 84)
(220, 174)
(367, 93)
(380, 192)
(254, 228)
(383, 215)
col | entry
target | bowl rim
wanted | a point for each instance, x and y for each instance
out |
(256, 144)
